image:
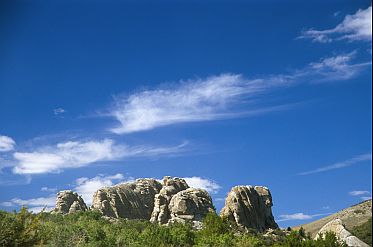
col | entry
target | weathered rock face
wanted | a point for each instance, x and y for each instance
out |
(250, 207)
(171, 186)
(341, 233)
(171, 201)
(190, 205)
(130, 200)
(69, 202)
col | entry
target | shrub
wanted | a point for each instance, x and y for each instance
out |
(19, 229)
(248, 241)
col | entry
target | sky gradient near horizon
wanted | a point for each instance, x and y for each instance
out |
(221, 93)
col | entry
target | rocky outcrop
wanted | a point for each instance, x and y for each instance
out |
(341, 233)
(190, 205)
(250, 207)
(171, 186)
(69, 202)
(148, 199)
(128, 200)
(173, 201)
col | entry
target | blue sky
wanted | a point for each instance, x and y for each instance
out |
(222, 93)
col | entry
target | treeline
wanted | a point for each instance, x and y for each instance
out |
(25, 229)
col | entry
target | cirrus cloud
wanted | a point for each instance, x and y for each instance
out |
(298, 216)
(354, 27)
(219, 97)
(350, 162)
(74, 154)
(358, 192)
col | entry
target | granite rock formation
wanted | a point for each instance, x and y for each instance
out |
(173, 201)
(128, 200)
(250, 207)
(148, 199)
(69, 202)
(171, 186)
(190, 205)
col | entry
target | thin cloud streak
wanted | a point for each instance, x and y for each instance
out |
(358, 192)
(350, 162)
(218, 97)
(299, 216)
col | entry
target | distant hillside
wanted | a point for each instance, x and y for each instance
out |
(351, 217)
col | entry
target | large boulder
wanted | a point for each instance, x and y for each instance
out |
(250, 208)
(190, 205)
(336, 226)
(69, 202)
(171, 186)
(128, 200)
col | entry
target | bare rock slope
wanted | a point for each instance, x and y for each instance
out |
(336, 226)
(350, 217)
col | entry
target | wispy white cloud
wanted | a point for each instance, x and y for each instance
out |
(358, 192)
(6, 143)
(218, 97)
(203, 183)
(59, 111)
(74, 154)
(298, 216)
(354, 27)
(350, 162)
(190, 101)
(363, 194)
(86, 187)
(339, 67)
